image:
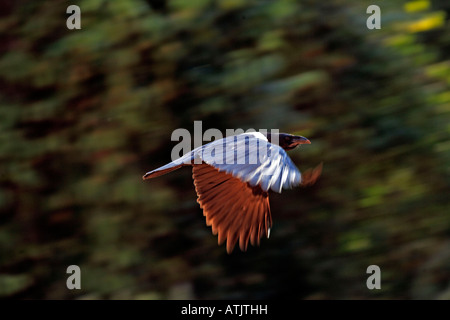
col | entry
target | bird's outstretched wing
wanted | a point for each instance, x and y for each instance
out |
(253, 159)
(234, 209)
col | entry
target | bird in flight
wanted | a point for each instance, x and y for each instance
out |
(233, 177)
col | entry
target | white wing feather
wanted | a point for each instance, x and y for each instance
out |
(248, 156)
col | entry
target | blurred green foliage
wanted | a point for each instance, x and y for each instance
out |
(84, 113)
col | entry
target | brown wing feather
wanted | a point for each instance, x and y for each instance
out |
(234, 209)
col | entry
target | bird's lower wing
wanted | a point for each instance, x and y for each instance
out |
(234, 209)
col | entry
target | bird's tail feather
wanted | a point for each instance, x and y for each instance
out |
(162, 170)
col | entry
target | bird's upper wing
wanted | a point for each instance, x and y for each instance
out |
(249, 157)
(253, 159)
(234, 209)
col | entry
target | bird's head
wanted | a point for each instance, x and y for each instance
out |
(286, 141)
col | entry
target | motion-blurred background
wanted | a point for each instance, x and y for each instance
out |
(85, 113)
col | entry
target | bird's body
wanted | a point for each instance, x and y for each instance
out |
(232, 178)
